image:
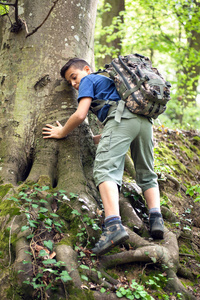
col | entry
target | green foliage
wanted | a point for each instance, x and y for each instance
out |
(135, 291)
(194, 191)
(48, 272)
(4, 9)
(168, 33)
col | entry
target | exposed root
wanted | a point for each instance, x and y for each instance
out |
(174, 180)
(166, 255)
(24, 270)
(67, 255)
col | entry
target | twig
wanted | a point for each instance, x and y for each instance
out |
(186, 254)
(26, 27)
(9, 4)
(44, 20)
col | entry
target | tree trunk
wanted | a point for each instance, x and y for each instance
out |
(33, 94)
(117, 6)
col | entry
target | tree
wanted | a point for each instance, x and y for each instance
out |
(49, 204)
(108, 39)
(167, 32)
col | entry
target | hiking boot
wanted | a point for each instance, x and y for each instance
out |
(113, 234)
(156, 226)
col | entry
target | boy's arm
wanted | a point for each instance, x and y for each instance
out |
(59, 132)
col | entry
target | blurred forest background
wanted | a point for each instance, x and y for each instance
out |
(168, 32)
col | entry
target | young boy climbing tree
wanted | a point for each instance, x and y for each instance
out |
(133, 131)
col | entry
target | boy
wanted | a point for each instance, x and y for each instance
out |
(133, 131)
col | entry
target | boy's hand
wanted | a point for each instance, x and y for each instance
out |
(96, 138)
(53, 132)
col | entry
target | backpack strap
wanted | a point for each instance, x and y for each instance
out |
(119, 111)
(100, 103)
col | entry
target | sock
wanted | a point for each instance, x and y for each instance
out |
(111, 218)
(154, 210)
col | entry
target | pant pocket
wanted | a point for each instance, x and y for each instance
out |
(104, 144)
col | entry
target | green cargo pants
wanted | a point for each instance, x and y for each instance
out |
(133, 131)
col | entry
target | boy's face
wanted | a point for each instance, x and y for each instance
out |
(74, 75)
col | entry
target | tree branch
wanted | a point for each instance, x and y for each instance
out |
(36, 29)
(9, 4)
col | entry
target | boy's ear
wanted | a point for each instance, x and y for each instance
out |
(87, 69)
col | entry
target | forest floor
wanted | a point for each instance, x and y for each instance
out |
(177, 153)
(177, 163)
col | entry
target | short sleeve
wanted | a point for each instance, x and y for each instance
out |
(86, 88)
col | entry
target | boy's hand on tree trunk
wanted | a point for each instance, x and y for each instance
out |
(53, 132)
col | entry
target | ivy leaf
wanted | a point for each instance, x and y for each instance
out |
(153, 259)
(54, 215)
(32, 223)
(45, 188)
(84, 277)
(27, 252)
(41, 217)
(48, 244)
(24, 228)
(65, 276)
(119, 295)
(84, 267)
(42, 253)
(102, 290)
(43, 210)
(48, 222)
(26, 281)
(75, 212)
(62, 191)
(30, 236)
(57, 224)
(43, 201)
(34, 205)
(49, 261)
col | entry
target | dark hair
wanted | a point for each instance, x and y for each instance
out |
(77, 62)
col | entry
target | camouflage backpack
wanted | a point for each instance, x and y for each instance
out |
(141, 87)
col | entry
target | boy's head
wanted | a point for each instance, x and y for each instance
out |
(74, 70)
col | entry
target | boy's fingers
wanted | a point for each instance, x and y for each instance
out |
(47, 137)
(48, 125)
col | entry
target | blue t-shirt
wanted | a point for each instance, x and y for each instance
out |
(98, 87)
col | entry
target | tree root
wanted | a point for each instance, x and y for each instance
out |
(129, 215)
(67, 255)
(110, 296)
(166, 255)
(174, 180)
(24, 270)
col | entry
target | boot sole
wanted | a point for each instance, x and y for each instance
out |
(116, 241)
(157, 234)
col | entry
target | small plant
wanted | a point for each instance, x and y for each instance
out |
(135, 291)
(41, 221)
(194, 191)
(157, 281)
